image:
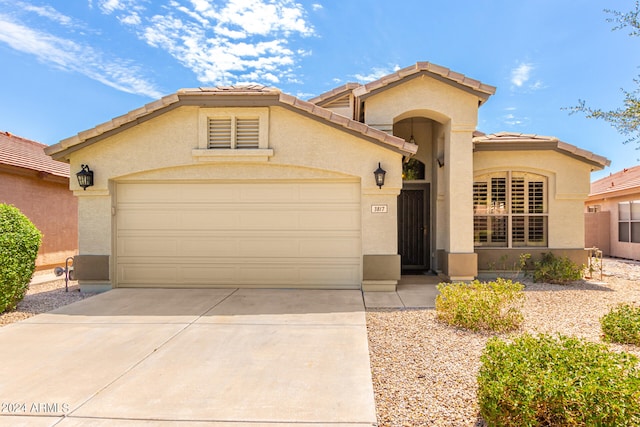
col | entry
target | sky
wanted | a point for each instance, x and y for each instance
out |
(67, 66)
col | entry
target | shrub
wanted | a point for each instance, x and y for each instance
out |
(553, 269)
(546, 381)
(622, 325)
(19, 243)
(481, 305)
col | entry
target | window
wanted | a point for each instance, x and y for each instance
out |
(510, 210)
(594, 208)
(629, 222)
(233, 132)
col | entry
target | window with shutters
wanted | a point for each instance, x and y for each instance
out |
(510, 209)
(629, 222)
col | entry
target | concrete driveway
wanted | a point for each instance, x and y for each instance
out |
(191, 357)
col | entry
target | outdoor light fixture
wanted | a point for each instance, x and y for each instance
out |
(85, 177)
(379, 174)
(440, 160)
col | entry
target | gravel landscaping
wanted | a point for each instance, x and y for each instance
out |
(41, 298)
(424, 372)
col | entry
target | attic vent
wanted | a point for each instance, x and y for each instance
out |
(247, 132)
(219, 133)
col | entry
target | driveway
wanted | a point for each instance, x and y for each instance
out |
(206, 357)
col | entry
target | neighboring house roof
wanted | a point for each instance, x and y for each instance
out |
(482, 90)
(626, 181)
(26, 154)
(237, 96)
(521, 141)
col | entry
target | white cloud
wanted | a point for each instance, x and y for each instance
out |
(376, 74)
(514, 120)
(230, 42)
(316, 7)
(521, 74)
(69, 55)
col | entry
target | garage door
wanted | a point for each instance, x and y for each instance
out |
(274, 234)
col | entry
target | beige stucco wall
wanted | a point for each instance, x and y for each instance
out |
(454, 112)
(162, 149)
(568, 181)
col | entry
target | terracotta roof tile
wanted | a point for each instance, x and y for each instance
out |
(529, 141)
(253, 90)
(334, 93)
(27, 154)
(626, 179)
(425, 67)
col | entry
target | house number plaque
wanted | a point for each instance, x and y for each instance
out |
(379, 208)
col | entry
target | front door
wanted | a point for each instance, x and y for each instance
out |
(413, 227)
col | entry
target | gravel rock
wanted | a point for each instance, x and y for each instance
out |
(424, 372)
(41, 298)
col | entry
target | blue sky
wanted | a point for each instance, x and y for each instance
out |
(67, 66)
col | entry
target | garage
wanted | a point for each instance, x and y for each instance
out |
(304, 234)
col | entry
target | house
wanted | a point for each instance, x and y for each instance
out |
(612, 214)
(248, 186)
(39, 186)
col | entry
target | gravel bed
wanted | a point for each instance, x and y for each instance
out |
(424, 373)
(41, 298)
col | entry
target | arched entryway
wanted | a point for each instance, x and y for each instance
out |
(417, 202)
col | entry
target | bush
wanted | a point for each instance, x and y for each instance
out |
(19, 243)
(622, 325)
(546, 381)
(553, 269)
(481, 306)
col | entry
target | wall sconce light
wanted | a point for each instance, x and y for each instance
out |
(85, 177)
(379, 175)
(440, 160)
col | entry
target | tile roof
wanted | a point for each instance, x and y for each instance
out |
(24, 153)
(427, 67)
(334, 93)
(526, 141)
(626, 179)
(254, 95)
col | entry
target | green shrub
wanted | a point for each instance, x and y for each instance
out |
(19, 243)
(546, 381)
(622, 325)
(553, 269)
(478, 305)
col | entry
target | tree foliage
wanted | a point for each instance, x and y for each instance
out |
(626, 119)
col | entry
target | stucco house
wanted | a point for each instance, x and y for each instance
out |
(248, 186)
(39, 186)
(612, 214)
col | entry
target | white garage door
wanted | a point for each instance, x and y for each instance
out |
(273, 234)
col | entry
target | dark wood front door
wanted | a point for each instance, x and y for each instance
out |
(413, 227)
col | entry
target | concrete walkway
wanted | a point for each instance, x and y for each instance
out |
(191, 357)
(413, 291)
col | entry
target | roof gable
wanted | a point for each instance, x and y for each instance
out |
(521, 141)
(229, 96)
(27, 154)
(481, 90)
